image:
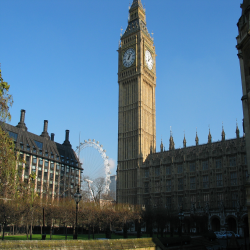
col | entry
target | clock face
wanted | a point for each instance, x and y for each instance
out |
(129, 57)
(149, 60)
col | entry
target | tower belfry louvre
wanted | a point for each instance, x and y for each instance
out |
(137, 82)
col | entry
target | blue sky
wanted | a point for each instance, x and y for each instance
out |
(60, 59)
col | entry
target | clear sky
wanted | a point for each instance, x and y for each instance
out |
(60, 59)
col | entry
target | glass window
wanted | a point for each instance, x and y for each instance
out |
(146, 187)
(157, 171)
(179, 169)
(67, 169)
(192, 183)
(205, 181)
(233, 178)
(40, 152)
(12, 135)
(57, 166)
(232, 161)
(28, 148)
(34, 150)
(40, 162)
(234, 199)
(245, 159)
(192, 167)
(168, 185)
(39, 144)
(39, 168)
(46, 154)
(157, 186)
(52, 156)
(72, 170)
(205, 165)
(193, 198)
(180, 200)
(34, 160)
(52, 165)
(168, 170)
(206, 197)
(168, 201)
(180, 184)
(27, 158)
(220, 196)
(219, 180)
(45, 170)
(46, 164)
(218, 163)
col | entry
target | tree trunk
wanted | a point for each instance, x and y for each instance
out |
(66, 233)
(3, 231)
(27, 231)
(125, 231)
(93, 231)
(31, 231)
(51, 229)
(89, 233)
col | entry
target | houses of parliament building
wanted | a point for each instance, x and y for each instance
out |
(209, 179)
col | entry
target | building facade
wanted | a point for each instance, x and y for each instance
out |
(137, 82)
(55, 166)
(243, 46)
(203, 180)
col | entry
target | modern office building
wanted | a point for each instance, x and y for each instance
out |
(56, 166)
(112, 186)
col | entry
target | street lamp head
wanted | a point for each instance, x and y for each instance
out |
(77, 196)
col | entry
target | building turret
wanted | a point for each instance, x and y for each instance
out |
(209, 137)
(161, 146)
(223, 135)
(196, 139)
(184, 142)
(237, 131)
(171, 141)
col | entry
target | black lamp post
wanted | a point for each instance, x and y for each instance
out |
(181, 218)
(77, 197)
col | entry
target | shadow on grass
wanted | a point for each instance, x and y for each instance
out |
(69, 237)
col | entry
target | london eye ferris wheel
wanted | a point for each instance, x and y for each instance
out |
(96, 166)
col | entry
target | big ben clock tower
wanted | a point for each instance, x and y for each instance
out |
(137, 82)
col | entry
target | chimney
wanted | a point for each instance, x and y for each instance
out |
(22, 117)
(45, 126)
(45, 130)
(67, 135)
(66, 142)
(52, 136)
(21, 124)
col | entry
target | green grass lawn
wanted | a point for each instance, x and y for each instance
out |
(69, 237)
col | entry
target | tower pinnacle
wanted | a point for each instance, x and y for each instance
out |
(136, 3)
